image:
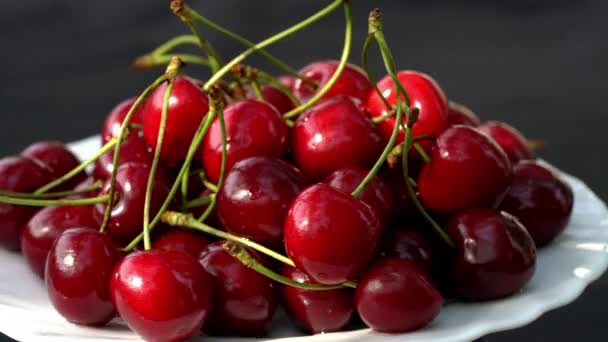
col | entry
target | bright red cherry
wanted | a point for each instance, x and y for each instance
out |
(411, 245)
(541, 199)
(288, 81)
(253, 129)
(495, 255)
(316, 311)
(58, 158)
(395, 296)
(113, 122)
(78, 271)
(468, 169)
(352, 82)
(162, 295)
(181, 240)
(275, 97)
(133, 149)
(461, 115)
(330, 235)
(188, 105)
(510, 139)
(255, 197)
(333, 134)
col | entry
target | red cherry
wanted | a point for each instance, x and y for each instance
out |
(468, 169)
(113, 122)
(541, 199)
(56, 156)
(253, 129)
(461, 115)
(510, 139)
(405, 211)
(188, 105)
(78, 271)
(495, 255)
(410, 245)
(275, 97)
(330, 235)
(185, 241)
(254, 199)
(244, 300)
(394, 296)
(288, 81)
(45, 226)
(316, 311)
(133, 149)
(162, 295)
(333, 134)
(352, 82)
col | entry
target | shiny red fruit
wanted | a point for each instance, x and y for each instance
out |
(58, 158)
(352, 82)
(185, 241)
(133, 149)
(275, 97)
(461, 115)
(113, 122)
(509, 139)
(410, 245)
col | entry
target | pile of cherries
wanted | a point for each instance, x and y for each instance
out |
(358, 252)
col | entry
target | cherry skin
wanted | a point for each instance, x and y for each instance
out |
(330, 235)
(377, 194)
(461, 115)
(133, 149)
(510, 139)
(162, 295)
(468, 169)
(410, 245)
(185, 241)
(495, 254)
(395, 296)
(244, 300)
(86, 184)
(45, 226)
(275, 97)
(288, 81)
(56, 156)
(541, 199)
(78, 271)
(253, 128)
(19, 174)
(333, 134)
(255, 197)
(405, 211)
(113, 122)
(352, 82)
(188, 105)
(316, 311)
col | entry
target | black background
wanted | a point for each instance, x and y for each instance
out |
(540, 65)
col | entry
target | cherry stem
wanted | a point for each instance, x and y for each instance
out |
(217, 104)
(95, 186)
(205, 215)
(150, 61)
(199, 202)
(366, 68)
(186, 39)
(425, 156)
(33, 202)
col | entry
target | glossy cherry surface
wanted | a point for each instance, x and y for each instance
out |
(395, 296)
(188, 105)
(162, 295)
(182, 240)
(316, 311)
(275, 97)
(333, 134)
(255, 197)
(244, 300)
(541, 199)
(510, 139)
(113, 122)
(405, 211)
(459, 114)
(78, 271)
(495, 254)
(253, 128)
(133, 149)
(468, 169)
(330, 235)
(410, 245)
(58, 158)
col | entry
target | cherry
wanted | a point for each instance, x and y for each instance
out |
(316, 311)
(255, 197)
(188, 105)
(78, 271)
(244, 300)
(404, 208)
(253, 128)
(162, 295)
(395, 296)
(352, 82)
(330, 235)
(541, 199)
(133, 149)
(333, 134)
(468, 169)
(19, 174)
(275, 97)
(288, 81)
(410, 245)
(185, 241)
(56, 156)
(213, 219)
(45, 226)
(377, 194)
(510, 139)
(113, 122)
(86, 184)
(495, 254)
(461, 115)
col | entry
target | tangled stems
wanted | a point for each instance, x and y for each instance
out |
(35, 202)
(95, 186)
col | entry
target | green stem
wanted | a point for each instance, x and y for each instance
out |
(94, 187)
(267, 78)
(255, 85)
(150, 61)
(366, 68)
(205, 215)
(186, 39)
(425, 156)
(32, 202)
(220, 115)
(199, 202)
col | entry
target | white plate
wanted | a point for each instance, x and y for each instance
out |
(564, 269)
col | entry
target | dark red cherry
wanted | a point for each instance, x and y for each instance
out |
(255, 197)
(541, 199)
(352, 82)
(134, 149)
(316, 311)
(425, 94)
(113, 122)
(275, 97)
(461, 115)
(128, 207)
(333, 134)
(162, 295)
(404, 209)
(253, 129)
(188, 105)
(244, 300)
(495, 255)
(510, 139)
(19, 174)
(468, 169)
(330, 235)
(377, 194)
(45, 226)
(395, 296)
(78, 271)
(181, 240)
(410, 245)
(58, 158)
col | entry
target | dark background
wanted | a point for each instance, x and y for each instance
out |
(540, 65)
